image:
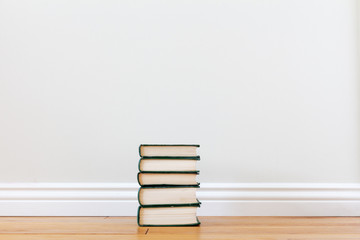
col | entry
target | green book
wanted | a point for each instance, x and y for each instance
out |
(175, 150)
(169, 178)
(168, 163)
(167, 216)
(152, 196)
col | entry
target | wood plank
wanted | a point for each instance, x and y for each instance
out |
(249, 228)
(178, 237)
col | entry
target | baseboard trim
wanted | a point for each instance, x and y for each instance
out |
(219, 199)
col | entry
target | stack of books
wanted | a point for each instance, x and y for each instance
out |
(167, 176)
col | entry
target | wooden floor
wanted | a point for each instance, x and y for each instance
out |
(240, 228)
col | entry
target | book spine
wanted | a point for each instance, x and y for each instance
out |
(140, 150)
(139, 164)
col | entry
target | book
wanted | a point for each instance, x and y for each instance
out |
(167, 178)
(168, 195)
(167, 163)
(167, 216)
(156, 150)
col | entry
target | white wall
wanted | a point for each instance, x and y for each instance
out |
(268, 88)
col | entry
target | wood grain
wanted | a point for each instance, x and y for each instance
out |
(249, 228)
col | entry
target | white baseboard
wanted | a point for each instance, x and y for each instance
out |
(218, 199)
